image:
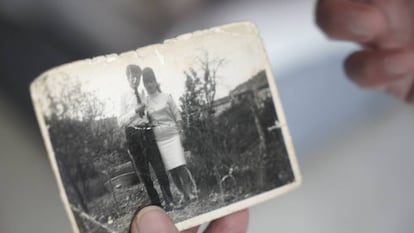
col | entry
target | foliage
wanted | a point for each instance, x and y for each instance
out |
(236, 140)
(89, 144)
(85, 142)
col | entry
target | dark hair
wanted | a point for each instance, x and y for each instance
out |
(149, 75)
(133, 69)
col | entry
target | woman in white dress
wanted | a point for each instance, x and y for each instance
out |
(167, 126)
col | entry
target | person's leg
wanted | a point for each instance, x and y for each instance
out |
(134, 139)
(154, 157)
(187, 180)
(175, 174)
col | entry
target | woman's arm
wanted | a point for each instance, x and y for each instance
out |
(177, 116)
(174, 110)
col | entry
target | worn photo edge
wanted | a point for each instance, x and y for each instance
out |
(199, 219)
(51, 154)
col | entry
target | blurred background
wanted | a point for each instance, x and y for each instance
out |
(355, 147)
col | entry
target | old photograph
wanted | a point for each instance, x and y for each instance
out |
(194, 125)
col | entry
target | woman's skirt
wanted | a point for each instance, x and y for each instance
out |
(172, 151)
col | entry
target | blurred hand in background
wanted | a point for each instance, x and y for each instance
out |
(385, 30)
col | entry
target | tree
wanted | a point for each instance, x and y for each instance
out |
(77, 134)
(198, 112)
(235, 136)
(200, 89)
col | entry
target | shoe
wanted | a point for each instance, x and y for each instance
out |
(169, 206)
(179, 206)
(192, 197)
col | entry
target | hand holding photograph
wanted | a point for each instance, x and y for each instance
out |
(193, 125)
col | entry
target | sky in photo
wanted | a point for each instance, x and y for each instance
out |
(106, 78)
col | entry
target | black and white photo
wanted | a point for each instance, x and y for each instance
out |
(193, 125)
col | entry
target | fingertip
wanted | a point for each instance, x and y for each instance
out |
(236, 223)
(243, 215)
(372, 69)
(355, 66)
(152, 219)
(349, 20)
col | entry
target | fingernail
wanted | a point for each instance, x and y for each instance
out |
(152, 219)
(397, 64)
(364, 22)
(358, 29)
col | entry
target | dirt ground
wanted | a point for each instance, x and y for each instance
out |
(113, 213)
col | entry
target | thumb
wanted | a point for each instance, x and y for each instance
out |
(152, 219)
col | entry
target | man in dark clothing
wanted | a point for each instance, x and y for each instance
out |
(142, 146)
(144, 151)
